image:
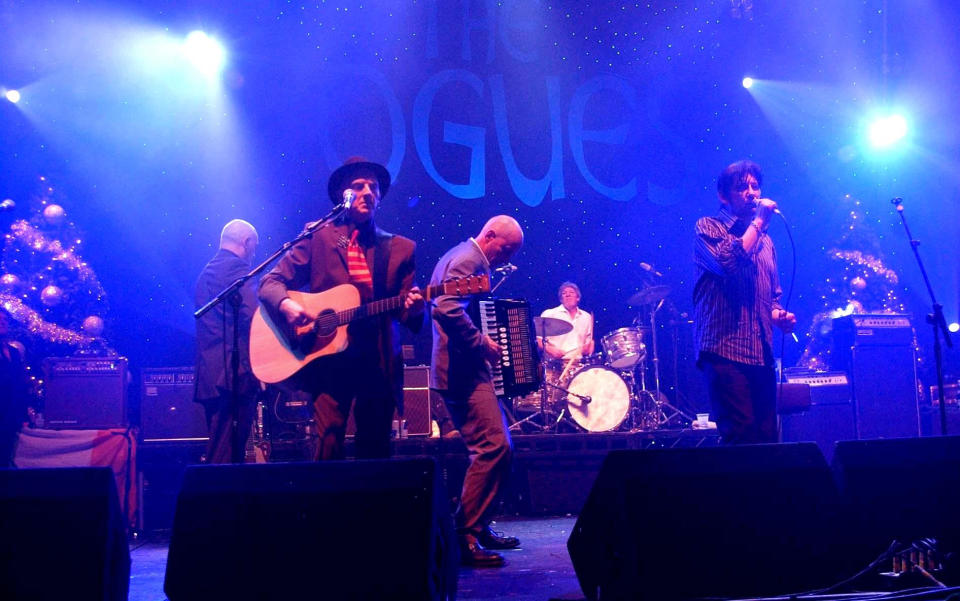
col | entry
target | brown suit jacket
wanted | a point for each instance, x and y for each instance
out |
(320, 263)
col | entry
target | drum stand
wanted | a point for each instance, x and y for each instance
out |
(651, 411)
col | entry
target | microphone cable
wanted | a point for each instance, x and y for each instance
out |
(786, 303)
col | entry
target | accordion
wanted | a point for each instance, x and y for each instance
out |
(510, 324)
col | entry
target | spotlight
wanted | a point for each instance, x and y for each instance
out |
(886, 131)
(12, 95)
(206, 53)
(748, 82)
(954, 327)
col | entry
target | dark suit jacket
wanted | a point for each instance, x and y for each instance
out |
(457, 364)
(214, 345)
(320, 263)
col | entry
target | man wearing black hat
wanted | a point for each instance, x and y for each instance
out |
(352, 250)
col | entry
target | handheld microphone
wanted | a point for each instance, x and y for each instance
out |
(649, 269)
(506, 269)
(348, 197)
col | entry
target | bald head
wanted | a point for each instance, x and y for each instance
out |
(240, 238)
(500, 238)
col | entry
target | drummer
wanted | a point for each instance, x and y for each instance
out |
(567, 349)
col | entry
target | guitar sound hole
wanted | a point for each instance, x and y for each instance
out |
(327, 323)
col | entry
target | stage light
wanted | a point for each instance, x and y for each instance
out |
(206, 53)
(954, 327)
(12, 95)
(886, 131)
(748, 82)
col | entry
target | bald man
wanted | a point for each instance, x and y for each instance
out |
(460, 371)
(228, 426)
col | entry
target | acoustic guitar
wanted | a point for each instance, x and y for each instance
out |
(276, 355)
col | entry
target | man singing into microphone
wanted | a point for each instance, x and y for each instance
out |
(368, 375)
(736, 304)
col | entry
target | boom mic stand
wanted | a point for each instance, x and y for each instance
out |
(935, 319)
(232, 294)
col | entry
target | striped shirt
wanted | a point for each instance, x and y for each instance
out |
(736, 292)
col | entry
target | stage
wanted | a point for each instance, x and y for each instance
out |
(551, 475)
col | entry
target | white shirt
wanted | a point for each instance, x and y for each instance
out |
(572, 342)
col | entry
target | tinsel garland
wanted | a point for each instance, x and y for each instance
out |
(36, 325)
(30, 236)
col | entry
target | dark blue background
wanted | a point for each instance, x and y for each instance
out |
(626, 111)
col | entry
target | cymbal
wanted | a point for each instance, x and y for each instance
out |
(551, 326)
(649, 295)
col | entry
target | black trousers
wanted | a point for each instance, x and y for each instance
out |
(228, 444)
(743, 400)
(342, 381)
(477, 414)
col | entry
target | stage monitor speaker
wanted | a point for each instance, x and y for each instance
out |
(312, 530)
(85, 392)
(709, 522)
(167, 409)
(63, 535)
(901, 489)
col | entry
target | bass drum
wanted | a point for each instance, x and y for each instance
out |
(609, 399)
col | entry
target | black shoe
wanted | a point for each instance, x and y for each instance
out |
(475, 556)
(491, 539)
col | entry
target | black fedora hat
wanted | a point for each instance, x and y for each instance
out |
(346, 173)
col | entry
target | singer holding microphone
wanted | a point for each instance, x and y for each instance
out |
(368, 375)
(736, 305)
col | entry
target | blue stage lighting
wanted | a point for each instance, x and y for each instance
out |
(886, 131)
(12, 95)
(954, 327)
(748, 82)
(206, 53)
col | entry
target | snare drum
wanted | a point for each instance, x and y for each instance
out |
(624, 347)
(608, 394)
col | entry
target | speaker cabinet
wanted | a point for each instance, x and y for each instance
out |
(63, 535)
(901, 489)
(312, 530)
(418, 402)
(822, 424)
(167, 409)
(709, 522)
(885, 391)
(85, 392)
(878, 353)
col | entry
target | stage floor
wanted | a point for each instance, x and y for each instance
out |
(539, 570)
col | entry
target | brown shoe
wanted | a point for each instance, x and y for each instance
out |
(475, 556)
(491, 539)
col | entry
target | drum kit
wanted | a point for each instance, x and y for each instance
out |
(616, 389)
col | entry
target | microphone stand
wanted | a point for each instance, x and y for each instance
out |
(935, 319)
(232, 294)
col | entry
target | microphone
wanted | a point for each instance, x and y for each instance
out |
(587, 400)
(7, 205)
(348, 197)
(649, 269)
(506, 269)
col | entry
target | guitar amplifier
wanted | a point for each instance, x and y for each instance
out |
(85, 392)
(878, 351)
(167, 409)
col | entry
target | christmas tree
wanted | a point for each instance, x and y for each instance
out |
(56, 302)
(858, 281)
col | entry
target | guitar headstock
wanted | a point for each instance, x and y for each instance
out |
(466, 285)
